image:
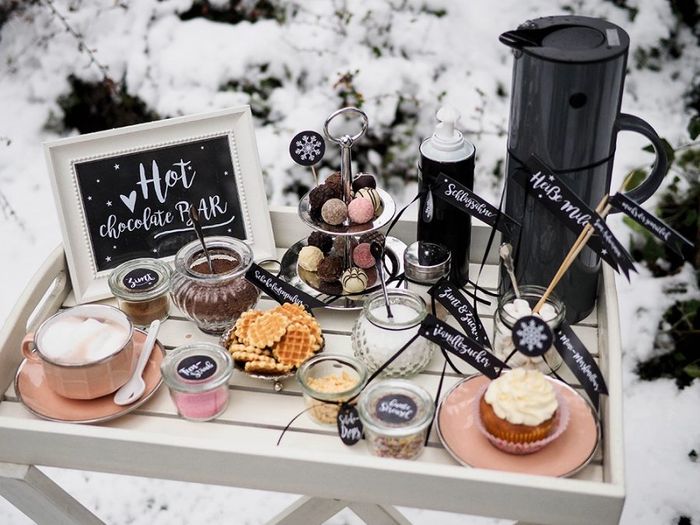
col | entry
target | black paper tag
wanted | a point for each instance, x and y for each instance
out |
(532, 336)
(674, 240)
(396, 409)
(573, 213)
(307, 148)
(140, 279)
(581, 362)
(462, 346)
(196, 368)
(448, 295)
(469, 202)
(279, 290)
(349, 424)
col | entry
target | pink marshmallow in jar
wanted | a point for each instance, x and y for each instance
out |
(197, 376)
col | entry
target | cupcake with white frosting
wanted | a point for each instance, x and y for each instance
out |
(520, 406)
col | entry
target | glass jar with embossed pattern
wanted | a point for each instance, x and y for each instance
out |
(214, 301)
(376, 337)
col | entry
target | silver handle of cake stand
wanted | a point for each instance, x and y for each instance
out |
(346, 142)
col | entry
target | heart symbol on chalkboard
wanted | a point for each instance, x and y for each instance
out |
(129, 201)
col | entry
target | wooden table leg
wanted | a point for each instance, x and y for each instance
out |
(373, 514)
(42, 500)
(309, 511)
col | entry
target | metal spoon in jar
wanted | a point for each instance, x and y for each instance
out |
(136, 386)
(506, 253)
(378, 253)
(194, 217)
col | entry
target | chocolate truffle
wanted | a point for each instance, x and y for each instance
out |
(310, 257)
(336, 189)
(330, 269)
(339, 245)
(354, 280)
(322, 241)
(362, 256)
(372, 196)
(363, 180)
(360, 211)
(371, 237)
(334, 212)
(333, 179)
(318, 197)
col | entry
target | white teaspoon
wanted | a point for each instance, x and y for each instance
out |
(135, 386)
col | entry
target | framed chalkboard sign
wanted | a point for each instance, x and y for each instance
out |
(125, 193)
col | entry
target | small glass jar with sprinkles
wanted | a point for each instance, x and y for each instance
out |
(395, 415)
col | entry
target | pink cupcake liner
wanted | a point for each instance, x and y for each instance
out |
(521, 449)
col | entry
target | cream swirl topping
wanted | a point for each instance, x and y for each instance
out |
(522, 397)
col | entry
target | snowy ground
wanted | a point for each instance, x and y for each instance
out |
(397, 48)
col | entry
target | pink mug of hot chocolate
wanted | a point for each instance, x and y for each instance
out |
(86, 351)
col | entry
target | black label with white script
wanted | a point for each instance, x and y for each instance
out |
(462, 346)
(567, 207)
(349, 424)
(279, 290)
(449, 296)
(674, 240)
(581, 362)
(396, 409)
(469, 202)
(532, 336)
(196, 368)
(140, 279)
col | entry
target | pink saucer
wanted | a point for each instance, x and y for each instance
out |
(569, 453)
(41, 401)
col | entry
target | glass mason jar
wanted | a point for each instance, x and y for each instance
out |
(197, 376)
(425, 263)
(141, 287)
(395, 415)
(213, 301)
(503, 325)
(376, 337)
(327, 381)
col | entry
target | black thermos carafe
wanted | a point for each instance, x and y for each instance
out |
(448, 152)
(568, 77)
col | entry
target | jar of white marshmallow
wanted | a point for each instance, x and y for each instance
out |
(509, 310)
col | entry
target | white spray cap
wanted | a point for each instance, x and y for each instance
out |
(447, 143)
(445, 130)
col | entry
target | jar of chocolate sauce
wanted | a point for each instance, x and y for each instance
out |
(214, 301)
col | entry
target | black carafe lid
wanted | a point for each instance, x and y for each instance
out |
(572, 39)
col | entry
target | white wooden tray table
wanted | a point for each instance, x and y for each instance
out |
(239, 448)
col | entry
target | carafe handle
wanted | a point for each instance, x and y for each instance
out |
(625, 122)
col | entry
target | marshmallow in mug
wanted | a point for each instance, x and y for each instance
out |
(77, 340)
(520, 308)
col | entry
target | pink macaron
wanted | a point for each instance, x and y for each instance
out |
(362, 256)
(360, 210)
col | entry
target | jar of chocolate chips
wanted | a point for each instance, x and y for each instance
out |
(214, 301)
(141, 287)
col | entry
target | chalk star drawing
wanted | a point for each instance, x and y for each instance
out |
(532, 335)
(108, 259)
(603, 251)
(109, 203)
(116, 167)
(89, 197)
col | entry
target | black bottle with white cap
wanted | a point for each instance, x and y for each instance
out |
(449, 153)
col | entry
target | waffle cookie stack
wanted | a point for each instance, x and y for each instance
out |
(274, 342)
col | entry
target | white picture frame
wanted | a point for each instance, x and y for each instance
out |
(69, 159)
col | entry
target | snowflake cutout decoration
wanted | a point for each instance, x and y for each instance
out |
(307, 148)
(532, 336)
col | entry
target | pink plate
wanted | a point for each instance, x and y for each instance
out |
(41, 401)
(568, 454)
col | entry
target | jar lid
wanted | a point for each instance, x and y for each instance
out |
(140, 279)
(196, 367)
(395, 407)
(426, 262)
